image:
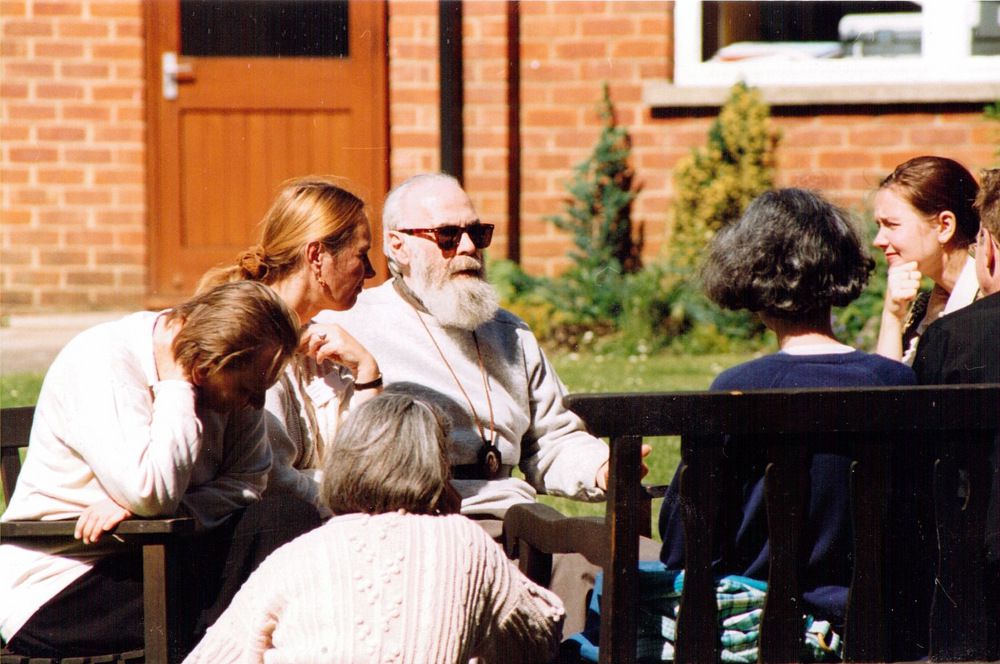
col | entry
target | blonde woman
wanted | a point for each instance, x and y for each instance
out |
(313, 253)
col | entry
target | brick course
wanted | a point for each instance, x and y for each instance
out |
(72, 172)
(60, 217)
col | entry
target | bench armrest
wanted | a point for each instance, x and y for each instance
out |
(655, 490)
(548, 531)
(135, 530)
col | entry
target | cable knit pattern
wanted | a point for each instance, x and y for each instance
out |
(394, 588)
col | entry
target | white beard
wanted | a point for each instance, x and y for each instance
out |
(463, 301)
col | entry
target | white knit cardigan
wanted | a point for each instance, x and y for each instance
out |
(394, 587)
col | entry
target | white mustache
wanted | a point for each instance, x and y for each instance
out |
(464, 264)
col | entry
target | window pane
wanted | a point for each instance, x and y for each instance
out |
(986, 32)
(808, 29)
(264, 28)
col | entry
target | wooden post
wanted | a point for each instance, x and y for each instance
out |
(618, 609)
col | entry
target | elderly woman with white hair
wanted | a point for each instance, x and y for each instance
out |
(397, 575)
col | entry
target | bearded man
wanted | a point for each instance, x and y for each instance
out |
(437, 326)
(437, 329)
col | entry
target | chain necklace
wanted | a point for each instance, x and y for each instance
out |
(482, 370)
(489, 455)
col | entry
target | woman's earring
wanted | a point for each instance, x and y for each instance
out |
(318, 271)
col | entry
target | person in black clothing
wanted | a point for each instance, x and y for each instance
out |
(964, 347)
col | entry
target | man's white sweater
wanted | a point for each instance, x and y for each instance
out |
(534, 430)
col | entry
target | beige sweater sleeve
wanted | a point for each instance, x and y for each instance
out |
(527, 624)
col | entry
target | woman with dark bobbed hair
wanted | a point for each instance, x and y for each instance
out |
(927, 221)
(397, 575)
(790, 258)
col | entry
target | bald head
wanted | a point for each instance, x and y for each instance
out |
(414, 198)
(434, 242)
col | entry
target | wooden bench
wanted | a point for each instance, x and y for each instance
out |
(942, 435)
(154, 536)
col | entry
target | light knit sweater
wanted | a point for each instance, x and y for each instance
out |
(106, 427)
(534, 429)
(395, 587)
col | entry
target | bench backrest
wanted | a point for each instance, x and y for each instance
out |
(15, 428)
(914, 449)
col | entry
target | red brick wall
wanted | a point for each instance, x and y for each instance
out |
(847, 156)
(413, 88)
(72, 165)
(568, 48)
(71, 126)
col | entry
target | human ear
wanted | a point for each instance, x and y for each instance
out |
(946, 224)
(990, 252)
(313, 254)
(398, 249)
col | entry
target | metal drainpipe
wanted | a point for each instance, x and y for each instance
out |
(514, 131)
(450, 61)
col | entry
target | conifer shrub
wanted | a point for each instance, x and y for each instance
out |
(608, 299)
(597, 215)
(715, 183)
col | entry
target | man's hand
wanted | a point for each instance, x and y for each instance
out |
(602, 472)
(98, 519)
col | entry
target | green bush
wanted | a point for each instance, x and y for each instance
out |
(598, 212)
(715, 183)
(598, 217)
(857, 324)
(606, 297)
(607, 300)
(992, 113)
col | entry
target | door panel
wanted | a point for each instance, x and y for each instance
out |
(239, 126)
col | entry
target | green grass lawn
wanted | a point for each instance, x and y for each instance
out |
(20, 389)
(581, 373)
(653, 373)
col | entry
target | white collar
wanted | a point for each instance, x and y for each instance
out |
(965, 290)
(818, 349)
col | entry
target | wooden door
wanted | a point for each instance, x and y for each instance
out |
(242, 95)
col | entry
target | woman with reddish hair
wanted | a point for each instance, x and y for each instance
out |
(926, 220)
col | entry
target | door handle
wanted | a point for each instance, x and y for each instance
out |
(174, 72)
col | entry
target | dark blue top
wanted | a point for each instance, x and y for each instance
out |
(828, 525)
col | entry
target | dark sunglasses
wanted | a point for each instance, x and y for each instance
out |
(448, 237)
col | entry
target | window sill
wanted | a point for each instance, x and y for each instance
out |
(662, 94)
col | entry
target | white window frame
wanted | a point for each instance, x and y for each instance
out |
(945, 24)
